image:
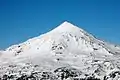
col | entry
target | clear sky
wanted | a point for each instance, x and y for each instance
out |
(24, 19)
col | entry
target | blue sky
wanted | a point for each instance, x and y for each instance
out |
(24, 19)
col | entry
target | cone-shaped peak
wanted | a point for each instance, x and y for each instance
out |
(67, 24)
(66, 27)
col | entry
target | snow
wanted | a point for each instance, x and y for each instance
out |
(66, 45)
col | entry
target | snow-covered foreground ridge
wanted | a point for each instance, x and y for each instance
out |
(65, 53)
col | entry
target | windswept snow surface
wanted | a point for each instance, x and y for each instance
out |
(65, 53)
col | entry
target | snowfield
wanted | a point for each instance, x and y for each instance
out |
(65, 53)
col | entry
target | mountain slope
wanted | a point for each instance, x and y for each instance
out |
(66, 47)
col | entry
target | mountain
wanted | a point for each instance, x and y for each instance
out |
(65, 53)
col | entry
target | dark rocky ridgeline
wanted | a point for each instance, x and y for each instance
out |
(66, 72)
(59, 74)
(32, 76)
(69, 73)
(62, 73)
(114, 75)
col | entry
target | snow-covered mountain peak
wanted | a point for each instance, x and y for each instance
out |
(69, 29)
(66, 27)
(65, 46)
(66, 34)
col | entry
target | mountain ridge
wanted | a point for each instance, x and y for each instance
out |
(69, 28)
(63, 47)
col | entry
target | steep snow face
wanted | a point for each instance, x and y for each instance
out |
(65, 46)
(67, 35)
